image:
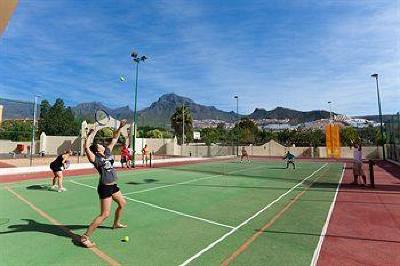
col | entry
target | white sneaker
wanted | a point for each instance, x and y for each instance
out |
(63, 189)
(53, 188)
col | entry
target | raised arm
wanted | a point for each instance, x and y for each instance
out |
(116, 135)
(88, 141)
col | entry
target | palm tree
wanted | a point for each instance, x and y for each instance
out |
(176, 123)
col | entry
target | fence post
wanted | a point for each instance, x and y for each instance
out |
(371, 164)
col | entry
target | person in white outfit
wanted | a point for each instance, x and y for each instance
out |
(357, 165)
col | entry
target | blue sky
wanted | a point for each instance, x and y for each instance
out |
(298, 54)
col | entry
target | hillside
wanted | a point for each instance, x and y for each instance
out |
(160, 111)
(286, 113)
(13, 109)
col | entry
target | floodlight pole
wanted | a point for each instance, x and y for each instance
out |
(330, 110)
(238, 120)
(33, 129)
(380, 115)
(137, 60)
(183, 128)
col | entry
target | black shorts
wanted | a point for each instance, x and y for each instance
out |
(55, 168)
(106, 191)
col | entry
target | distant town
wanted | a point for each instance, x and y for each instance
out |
(282, 124)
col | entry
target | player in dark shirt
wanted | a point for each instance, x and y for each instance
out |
(57, 166)
(289, 160)
(107, 188)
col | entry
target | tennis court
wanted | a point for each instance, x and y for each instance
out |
(209, 213)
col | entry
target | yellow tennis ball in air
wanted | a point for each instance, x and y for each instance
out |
(126, 239)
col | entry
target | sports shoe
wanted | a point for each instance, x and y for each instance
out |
(53, 188)
(63, 189)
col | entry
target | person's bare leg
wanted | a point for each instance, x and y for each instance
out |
(355, 180)
(364, 178)
(119, 199)
(105, 208)
(54, 179)
(60, 180)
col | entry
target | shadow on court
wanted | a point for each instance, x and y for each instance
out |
(330, 235)
(267, 188)
(38, 187)
(145, 181)
(229, 173)
(57, 230)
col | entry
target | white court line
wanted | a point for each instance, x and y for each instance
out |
(191, 180)
(325, 228)
(164, 209)
(213, 244)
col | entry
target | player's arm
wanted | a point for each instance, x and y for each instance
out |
(89, 139)
(116, 135)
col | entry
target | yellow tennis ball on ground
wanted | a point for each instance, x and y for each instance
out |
(126, 239)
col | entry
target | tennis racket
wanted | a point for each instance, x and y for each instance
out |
(103, 119)
(67, 164)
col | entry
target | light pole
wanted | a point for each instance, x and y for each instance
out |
(33, 128)
(137, 59)
(380, 115)
(330, 110)
(237, 113)
(183, 127)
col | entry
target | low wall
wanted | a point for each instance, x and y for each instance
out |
(7, 146)
(271, 148)
(53, 145)
(59, 144)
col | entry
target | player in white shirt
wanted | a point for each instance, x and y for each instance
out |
(357, 165)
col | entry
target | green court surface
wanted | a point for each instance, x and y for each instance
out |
(195, 214)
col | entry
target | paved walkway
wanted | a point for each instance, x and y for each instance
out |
(365, 225)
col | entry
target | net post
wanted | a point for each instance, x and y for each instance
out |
(371, 164)
(151, 160)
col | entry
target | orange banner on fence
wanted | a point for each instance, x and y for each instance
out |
(333, 146)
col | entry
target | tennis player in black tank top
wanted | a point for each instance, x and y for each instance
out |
(57, 167)
(107, 189)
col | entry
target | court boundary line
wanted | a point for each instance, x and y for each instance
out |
(275, 218)
(99, 253)
(165, 209)
(222, 238)
(317, 250)
(191, 180)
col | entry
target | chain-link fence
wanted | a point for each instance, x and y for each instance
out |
(392, 128)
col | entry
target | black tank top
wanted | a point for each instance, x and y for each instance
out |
(58, 161)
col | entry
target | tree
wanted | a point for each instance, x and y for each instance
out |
(57, 120)
(378, 137)
(368, 135)
(348, 135)
(177, 125)
(103, 136)
(155, 133)
(16, 130)
(247, 131)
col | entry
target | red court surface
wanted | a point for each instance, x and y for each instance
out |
(365, 225)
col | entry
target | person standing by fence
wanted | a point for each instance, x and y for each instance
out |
(357, 165)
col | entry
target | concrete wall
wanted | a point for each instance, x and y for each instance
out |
(271, 148)
(7, 146)
(158, 146)
(59, 144)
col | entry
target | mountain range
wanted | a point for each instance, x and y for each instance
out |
(159, 112)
